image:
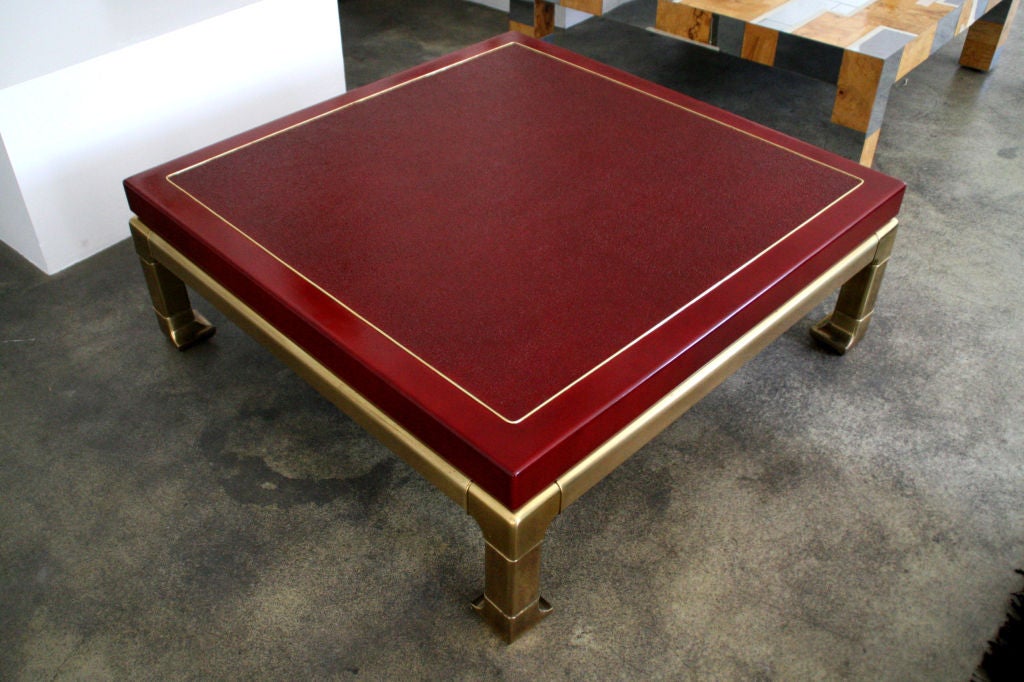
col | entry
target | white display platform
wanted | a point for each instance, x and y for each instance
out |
(97, 90)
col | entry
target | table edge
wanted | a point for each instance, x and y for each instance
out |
(579, 478)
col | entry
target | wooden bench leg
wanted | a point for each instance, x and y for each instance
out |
(987, 35)
(861, 95)
(511, 602)
(849, 322)
(759, 44)
(685, 22)
(178, 321)
(535, 18)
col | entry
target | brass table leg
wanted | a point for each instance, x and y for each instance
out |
(182, 325)
(511, 602)
(849, 321)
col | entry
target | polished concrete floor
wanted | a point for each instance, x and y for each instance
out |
(206, 515)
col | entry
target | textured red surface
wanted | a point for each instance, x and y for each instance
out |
(513, 250)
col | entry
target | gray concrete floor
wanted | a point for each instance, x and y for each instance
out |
(206, 515)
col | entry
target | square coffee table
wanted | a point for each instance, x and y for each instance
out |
(514, 266)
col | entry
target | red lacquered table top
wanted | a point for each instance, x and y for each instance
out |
(513, 250)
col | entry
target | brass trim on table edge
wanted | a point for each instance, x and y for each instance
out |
(428, 463)
(849, 321)
(580, 478)
(515, 534)
(636, 434)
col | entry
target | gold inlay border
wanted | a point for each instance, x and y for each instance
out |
(509, 420)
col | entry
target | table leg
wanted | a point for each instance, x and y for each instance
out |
(987, 35)
(861, 95)
(535, 18)
(849, 322)
(760, 44)
(685, 22)
(511, 602)
(182, 325)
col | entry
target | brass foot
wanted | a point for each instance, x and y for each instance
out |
(185, 328)
(839, 332)
(178, 321)
(511, 627)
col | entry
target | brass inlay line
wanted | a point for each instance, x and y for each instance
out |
(747, 133)
(414, 355)
(325, 114)
(513, 532)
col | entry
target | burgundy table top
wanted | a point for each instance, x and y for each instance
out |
(513, 250)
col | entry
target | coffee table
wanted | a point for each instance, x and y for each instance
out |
(862, 46)
(514, 266)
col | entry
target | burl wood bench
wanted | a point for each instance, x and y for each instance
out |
(862, 46)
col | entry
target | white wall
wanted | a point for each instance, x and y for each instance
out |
(176, 75)
(43, 36)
